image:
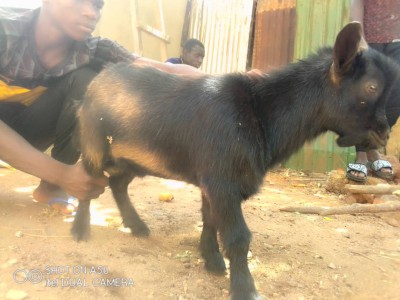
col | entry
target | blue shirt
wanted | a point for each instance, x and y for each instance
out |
(174, 60)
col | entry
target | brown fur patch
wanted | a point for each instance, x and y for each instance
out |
(334, 76)
(141, 156)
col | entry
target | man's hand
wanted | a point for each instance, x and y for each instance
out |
(78, 183)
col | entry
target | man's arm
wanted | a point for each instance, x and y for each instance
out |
(110, 51)
(179, 69)
(72, 178)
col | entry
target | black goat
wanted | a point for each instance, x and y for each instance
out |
(222, 133)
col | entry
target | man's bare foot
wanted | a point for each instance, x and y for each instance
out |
(55, 197)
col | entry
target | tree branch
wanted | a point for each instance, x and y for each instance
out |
(372, 189)
(355, 208)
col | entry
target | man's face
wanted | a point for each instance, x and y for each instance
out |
(194, 57)
(75, 18)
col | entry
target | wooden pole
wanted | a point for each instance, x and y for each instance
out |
(355, 208)
(372, 189)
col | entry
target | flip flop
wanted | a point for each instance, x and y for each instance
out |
(71, 202)
(357, 168)
(380, 164)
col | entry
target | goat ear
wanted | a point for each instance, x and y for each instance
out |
(349, 42)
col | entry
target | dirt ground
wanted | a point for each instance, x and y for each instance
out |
(293, 256)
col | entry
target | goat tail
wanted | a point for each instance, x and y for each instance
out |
(93, 141)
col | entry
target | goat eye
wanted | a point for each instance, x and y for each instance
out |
(372, 89)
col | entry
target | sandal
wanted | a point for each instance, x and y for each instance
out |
(380, 164)
(357, 168)
(66, 207)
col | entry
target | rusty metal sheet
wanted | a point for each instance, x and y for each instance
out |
(274, 34)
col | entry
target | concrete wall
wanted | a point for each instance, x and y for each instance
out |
(120, 19)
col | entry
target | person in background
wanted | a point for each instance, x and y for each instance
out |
(193, 53)
(381, 22)
(47, 59)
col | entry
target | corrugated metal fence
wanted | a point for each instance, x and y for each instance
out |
(275, 26)
(318, 23)
(224, 28)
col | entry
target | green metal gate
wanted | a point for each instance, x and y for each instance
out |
(318, 23)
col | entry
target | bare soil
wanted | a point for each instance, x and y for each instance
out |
(293, 256)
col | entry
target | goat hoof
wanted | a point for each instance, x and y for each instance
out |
(80, 230)
(80, 235)
(215, 263)
(140, 230)
(252, 296)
